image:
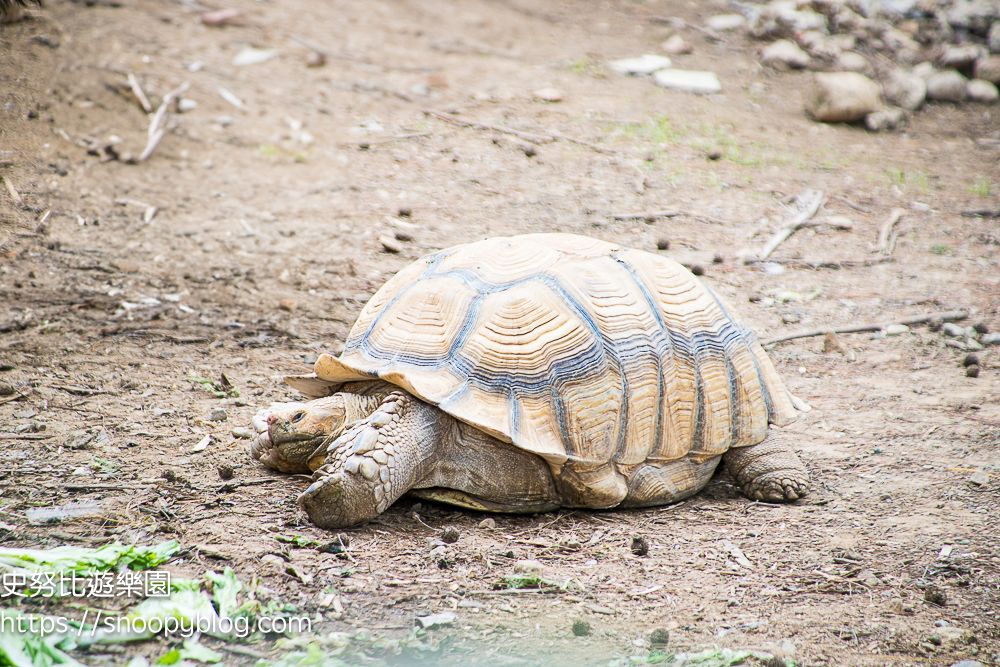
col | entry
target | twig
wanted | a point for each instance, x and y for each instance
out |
(155, 131)
(947, 315)
(24, 436)
(389, 140)
(856, 207)
(981, 213)
(884, 246)
(669, 213)
(13, 193)
(531, 137)
(141, 96)
(796, 223)
(825, 263)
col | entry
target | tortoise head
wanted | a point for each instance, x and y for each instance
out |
(291, 436)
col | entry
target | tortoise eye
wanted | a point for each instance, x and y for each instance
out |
(298, 416)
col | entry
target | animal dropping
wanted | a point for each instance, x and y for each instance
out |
(530, 373)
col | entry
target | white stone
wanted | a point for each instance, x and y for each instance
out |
(957, 57)
(924, 70)
(676, 46)
(725, 22)
(548, 95)
(947, 86)
(905, 89)
(251, 56)
(784, 54)
(843, 97)
(687, 81)
(982, 91)
(850, 61)
(892, 118)
(646, 64)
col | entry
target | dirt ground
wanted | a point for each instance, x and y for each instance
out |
(264, 245)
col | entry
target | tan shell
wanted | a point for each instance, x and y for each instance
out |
(595, 357)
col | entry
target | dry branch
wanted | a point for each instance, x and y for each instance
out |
(946, 316)
(796, 223)
(13, 193)
(531, 137)
(156, 132)
(141, 96)
(884, 245)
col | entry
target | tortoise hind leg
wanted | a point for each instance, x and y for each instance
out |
(661, 485)
(768, 471)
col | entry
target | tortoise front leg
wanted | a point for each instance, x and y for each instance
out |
(768, 471)
(374, 462)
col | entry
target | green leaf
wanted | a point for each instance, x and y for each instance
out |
(171, 658)
(225, 588)
(194, 651)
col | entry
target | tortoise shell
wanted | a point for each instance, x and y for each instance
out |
(597, 358)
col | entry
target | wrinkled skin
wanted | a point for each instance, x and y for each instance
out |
(367, 449)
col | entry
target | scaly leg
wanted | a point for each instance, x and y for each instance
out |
(768, 471)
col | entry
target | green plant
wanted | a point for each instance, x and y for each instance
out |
(938, 249)
(981, 187)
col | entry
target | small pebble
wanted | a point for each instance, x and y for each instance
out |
(548, 95)
(488, 524)
(581, 628)
(218, 415)
(981, 328)
(952, 330)
(528, 567)
(676, 46)
(226, 471)
(896, 329)
(663, 243)
(972, 372)
(389, 244)
(242, 433)
(714, 153)
(403, 236)
(935, 595)
(450, 535)
(935, 324)
(405, 212)
(640, 545)
(718, 258)
(530, 151)
(315, 59)
(970, 360)
(698, 270)
(6, 389)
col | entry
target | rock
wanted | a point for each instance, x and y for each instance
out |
(832, 343)
(218, 415)
(8, 390)
(970, 360)
(437, 620)
(548, 95)
(640, 545)
(849, 61)
(819, 45)
(252, 56)
(315, 59)
(947, 86)
(581, 628)
(219, 17)
(842, 97)
(687, 81)
(972, 372)
(973, 15)
(960, 57)
(725, 22)
(676, 46)
(905, 90)
(450, 535)
(488, 524)
(980, 478)
(868, 578)
(646, 64)
(980, 328)
(226, 471)
(990, 339)
(659, 637)
(972, 344)
(935, 595)
(988, 69)
(714, 153)
(993, 38)
(924, 70)
(892, 118)
(784, 54)
(528, 567)
(242, 433)
(896, 329)
(389, 244)
(982, 91)
(969, 663)
(662, 243)
(952, 330)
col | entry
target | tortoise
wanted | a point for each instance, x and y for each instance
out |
(533, 372)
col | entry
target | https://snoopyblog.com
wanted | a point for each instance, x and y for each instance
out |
(171, 626)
